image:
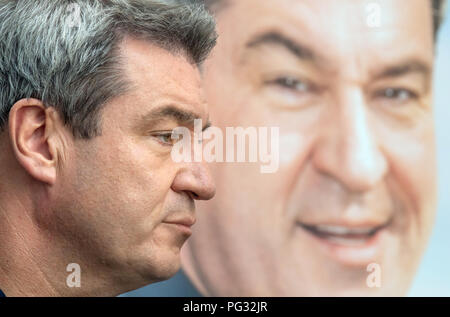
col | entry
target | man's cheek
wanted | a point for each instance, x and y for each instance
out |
(412, 162)
(412, 186)
(291, 145)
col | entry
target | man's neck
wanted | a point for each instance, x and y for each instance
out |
(35, 262)
(20, 271)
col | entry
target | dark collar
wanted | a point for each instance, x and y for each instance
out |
(177, 286)
(2, 294)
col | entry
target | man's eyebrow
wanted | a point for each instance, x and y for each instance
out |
(276, 38)
(171, 112)
(412, 66)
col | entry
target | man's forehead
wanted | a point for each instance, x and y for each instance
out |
(162, 87)
(328, 21)
(157, 75)
(146, 63)
(340, 31)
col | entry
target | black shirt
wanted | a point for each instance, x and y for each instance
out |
(2, 294)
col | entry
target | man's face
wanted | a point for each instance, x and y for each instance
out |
(123, 198)
(349, 84)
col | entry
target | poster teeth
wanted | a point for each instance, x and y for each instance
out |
(342, 231)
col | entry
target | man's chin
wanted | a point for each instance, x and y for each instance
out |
(373, 281)
(164, 269)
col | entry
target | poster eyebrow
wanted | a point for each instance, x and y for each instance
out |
(401, 69)
(277, 38)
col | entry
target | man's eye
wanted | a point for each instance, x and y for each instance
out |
(166, 138)
(397, 94)
(291, 83)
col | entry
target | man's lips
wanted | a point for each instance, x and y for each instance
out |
(344, 235)
(184, 223)
(350, 244)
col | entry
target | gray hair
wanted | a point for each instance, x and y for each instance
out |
(65, 53)
(438, 7)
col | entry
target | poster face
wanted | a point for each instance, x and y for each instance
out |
(225, 148)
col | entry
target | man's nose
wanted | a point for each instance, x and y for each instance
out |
(195, 179)
(347, 148)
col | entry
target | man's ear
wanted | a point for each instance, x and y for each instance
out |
(32, 130)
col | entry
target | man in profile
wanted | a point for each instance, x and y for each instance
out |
(90, 92)
(349, 83)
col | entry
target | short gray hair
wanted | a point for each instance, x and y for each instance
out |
(65, 53)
